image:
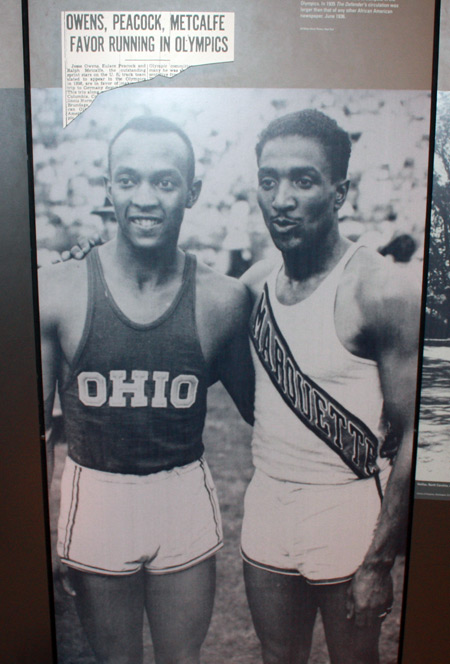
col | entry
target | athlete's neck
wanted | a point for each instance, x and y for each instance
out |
(309, 262)
(143, 266)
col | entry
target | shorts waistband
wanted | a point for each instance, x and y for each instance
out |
(124, 478)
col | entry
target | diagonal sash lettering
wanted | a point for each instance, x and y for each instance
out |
(342, 431)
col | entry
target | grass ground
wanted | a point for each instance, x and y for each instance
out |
(231, 638)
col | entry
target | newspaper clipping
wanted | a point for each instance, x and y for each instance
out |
(105, 50)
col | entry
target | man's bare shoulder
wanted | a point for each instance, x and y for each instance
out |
(223, 303)
(256, 276)
(221, 290)
(60, 286)
(380, 279)
(386, 292)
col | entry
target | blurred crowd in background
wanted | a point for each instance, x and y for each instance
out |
(386, 205)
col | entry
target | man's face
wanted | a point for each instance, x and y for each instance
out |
(296, 193)
(149, 186)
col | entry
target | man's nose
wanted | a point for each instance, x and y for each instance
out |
(145, 195)
(284, 197)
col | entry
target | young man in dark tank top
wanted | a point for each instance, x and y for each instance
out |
(132, 337)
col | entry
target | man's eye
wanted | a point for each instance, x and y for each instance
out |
(304, 183)
(267, 184)
(125, 181)
(166, 184)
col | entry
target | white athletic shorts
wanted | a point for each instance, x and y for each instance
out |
(319, 532)
(111, 523)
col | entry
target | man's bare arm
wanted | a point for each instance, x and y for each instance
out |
(50, 355)
(52, 293)
(223, 308)
(235, 367)
(397, 323)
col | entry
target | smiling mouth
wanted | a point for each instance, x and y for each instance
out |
(146, 223)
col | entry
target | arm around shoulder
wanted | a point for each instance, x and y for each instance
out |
(235, 366)
(228, 307)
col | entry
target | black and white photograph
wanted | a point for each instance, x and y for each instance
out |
(229, 300)
(433, 453)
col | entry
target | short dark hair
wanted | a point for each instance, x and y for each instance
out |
(155, 125)
(310, 123)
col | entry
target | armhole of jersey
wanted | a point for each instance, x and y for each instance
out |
(90, 268)
(362, 360)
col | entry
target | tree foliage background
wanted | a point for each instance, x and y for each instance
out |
(438, 293)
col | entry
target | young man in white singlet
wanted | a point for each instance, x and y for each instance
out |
(335, 339)
(132, 336)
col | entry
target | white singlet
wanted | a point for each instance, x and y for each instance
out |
(283, 447)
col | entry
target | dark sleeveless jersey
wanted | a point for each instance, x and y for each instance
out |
(135, 400)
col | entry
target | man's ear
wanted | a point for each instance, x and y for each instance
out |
(341, 194)
(193, 193)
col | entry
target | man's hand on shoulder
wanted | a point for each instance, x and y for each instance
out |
(81, 250)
